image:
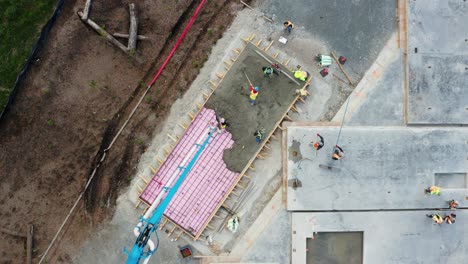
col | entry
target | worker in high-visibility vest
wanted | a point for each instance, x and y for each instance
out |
(253, 94)
(288, 26)
(258, 136)
(433, 190)
(269, 71)
(338, 153)
(436, 218)
(301, 75)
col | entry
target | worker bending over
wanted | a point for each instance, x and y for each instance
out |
(288, 26)
(433, 190)
(338, 153)
(222, 125)
(301, 75)
(258, 136)
(319, 144)
(436, 218)
(269, 71)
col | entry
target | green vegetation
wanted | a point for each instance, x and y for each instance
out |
(20, 24)
(93, 84)
(50, 122)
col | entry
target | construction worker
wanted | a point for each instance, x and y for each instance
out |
(433, 190)
(258, 136)
(222, 125)
(450, 219)
(338, 153)
(453, 205)
(288, 26)
(269, 71)
(436, 218)
(301, 75)
(319, 144)
(253, 94)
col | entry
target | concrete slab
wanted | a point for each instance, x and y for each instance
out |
(389, 237)
(438, 62)
(356, 29)
(383, 167)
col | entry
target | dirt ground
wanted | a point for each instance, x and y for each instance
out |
(231, 101)
(71, 105)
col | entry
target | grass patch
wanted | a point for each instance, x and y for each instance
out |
(20, 24)
(50, 122)
(93, 84)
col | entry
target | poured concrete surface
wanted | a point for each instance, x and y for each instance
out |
(335, 248)
(383, 167)
(231, 101)
(438, 62)
(389, 237)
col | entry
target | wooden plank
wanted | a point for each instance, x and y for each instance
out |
(342, 68)
(133, 31)
(126, 36)
(268, 46)
(259, 42)
(143, 179)
(86, 10)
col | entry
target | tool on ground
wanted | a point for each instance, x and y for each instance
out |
(186, 251)
(342, 59)
(324, 72)
(324, 60)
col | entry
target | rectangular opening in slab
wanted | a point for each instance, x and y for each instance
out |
(335, 247)
(451, 180)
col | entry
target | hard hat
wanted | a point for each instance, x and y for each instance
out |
(256, 88)
(221, 120)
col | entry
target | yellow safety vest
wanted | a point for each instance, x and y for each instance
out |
(301, 75)
(253, 96)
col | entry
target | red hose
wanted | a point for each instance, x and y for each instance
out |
(177, 43)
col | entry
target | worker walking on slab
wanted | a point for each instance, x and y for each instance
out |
(319, 144)
(288, 26)
(338, 153)
(433, 190)
(436, 218)
(450, 218)
(301, 75)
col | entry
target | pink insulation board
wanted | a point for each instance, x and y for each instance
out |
(207, 182)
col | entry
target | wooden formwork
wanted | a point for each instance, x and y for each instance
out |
(172, 227)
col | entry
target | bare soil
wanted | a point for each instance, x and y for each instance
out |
(73, 102)
(231, 101)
